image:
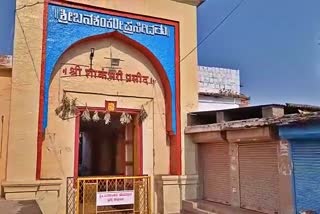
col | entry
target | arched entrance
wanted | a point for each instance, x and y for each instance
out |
(76, 147)
(143, 51)
(92, 91)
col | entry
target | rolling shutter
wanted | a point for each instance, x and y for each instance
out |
(215, 170)
(259, 180)
(306, 168)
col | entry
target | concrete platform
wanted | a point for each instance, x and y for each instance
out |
(19, 207)
(206, 207)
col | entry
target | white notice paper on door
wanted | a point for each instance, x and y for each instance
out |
(115, 198)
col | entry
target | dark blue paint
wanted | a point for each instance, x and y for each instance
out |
(305, 154)
(306, 163)
(310, 131)
(61, 36)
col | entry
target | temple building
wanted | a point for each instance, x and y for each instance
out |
(94, 107)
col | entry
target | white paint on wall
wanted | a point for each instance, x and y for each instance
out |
(212, 80)
(285, 167)
(208, 103)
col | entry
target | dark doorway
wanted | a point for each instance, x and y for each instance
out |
(106, 149)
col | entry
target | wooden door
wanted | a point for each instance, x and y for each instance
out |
(129, 150)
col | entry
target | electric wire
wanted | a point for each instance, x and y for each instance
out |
(186, 56)
(213, 30)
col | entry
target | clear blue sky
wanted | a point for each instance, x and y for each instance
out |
(6, 26)
(274, 43)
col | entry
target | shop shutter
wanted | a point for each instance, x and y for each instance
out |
(306, 170)
(259, 180)
(215, 167)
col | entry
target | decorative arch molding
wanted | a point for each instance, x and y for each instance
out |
(148, 54)
(171, 87)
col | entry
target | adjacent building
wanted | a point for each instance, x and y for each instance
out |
(245, 156)
(97, 91)
(219, 88)
(303, 145)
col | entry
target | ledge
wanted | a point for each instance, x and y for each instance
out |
(177, 180)
(196, 3)
(26, 190)
(50, 185)
(208, 137)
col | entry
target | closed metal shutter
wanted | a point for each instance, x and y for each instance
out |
(306, 169)
(215, 167)
(259, 179)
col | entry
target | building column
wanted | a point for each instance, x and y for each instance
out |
(234, 174)
(171, 190)
(20, 180)
(285, 178)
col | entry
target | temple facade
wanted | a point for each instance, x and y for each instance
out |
(98, 90)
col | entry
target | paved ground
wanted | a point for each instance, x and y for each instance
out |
(19, 207)
(224, 209)
(206, 207)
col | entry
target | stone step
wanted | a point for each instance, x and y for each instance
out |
(191, 207)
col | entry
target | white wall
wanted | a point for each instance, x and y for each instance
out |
(212, 79)
(207, 103)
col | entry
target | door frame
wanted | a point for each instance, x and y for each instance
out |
(138, 147)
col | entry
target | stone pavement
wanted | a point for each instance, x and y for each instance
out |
(19, 207)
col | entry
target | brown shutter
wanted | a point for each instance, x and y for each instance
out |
(259, 180)
(215, 170)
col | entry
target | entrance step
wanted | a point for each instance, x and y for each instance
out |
(19, 207)
(191, 207)
(207, 207)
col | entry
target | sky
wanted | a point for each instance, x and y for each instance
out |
(274, 43)
(6, 26)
